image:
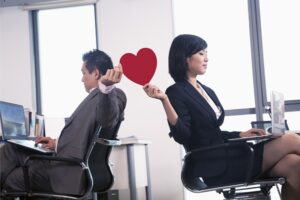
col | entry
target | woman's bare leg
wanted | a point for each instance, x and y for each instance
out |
(289, 168)
(282, 155)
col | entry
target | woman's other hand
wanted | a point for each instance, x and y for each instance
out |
(253, 132)
(154, 92)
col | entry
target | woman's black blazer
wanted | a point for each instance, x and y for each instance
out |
(197, 125)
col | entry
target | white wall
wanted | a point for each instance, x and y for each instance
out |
(127, 26)
(124, 26)
(15, 63)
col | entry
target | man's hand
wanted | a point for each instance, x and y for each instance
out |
(46, 142)
(112, 76)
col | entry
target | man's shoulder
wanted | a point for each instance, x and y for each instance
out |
(122, 98)
(120, 93)
(119, 90)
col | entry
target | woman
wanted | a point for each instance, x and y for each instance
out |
(195, 115)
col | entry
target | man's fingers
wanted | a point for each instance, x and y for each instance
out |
(39, 139)
(113, 75)
(120, 67)
(117, 75)
(109, 74)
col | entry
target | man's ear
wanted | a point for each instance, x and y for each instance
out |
(97, 73)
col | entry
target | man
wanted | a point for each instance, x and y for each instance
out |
(104, 105)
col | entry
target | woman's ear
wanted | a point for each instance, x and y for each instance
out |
(188, 60)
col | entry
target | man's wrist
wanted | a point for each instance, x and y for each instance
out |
(105, 89)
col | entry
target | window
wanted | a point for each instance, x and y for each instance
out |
(280, 37)
(64, 35)
(224, 25)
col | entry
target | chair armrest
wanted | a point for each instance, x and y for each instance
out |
(54, 158)
(221, 146)
(253, 138)
(108, 142)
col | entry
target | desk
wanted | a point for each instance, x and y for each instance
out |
(130, 166)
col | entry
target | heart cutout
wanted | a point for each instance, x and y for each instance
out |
(140, 68)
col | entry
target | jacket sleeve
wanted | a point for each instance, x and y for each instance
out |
(181, 131)
(230, 134)
(111, 107)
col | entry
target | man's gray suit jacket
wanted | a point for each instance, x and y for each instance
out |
(96, 108)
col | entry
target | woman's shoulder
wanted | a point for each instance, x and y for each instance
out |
(175, 87)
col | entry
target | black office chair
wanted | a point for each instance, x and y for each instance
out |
(198, 161)
(96, 166)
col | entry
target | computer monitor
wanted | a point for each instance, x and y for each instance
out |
(12, 120)
(0, 127)
(277, 113)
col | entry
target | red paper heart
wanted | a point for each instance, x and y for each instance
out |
(140, 68)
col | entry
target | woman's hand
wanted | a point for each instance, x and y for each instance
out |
(154, 92)
(253, 132)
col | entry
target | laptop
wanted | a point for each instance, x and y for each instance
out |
(12, 120)
(274, 128)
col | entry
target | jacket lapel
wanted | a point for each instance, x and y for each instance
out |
(191, 91)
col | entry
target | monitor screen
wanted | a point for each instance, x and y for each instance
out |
(277, 112)
(12, 120)
(0, 127)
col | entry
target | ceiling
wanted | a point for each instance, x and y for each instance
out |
(6, 3)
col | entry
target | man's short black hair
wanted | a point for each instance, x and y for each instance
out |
(97, 59)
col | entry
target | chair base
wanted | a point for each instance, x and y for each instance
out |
(256, 195)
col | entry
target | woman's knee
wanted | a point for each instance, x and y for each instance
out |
(292, 140)
(288, 166)
(291, 165)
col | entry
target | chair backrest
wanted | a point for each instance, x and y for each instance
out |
(98, 161)
(266, 125)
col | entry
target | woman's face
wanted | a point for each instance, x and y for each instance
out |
(197, 63)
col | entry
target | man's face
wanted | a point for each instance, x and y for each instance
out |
(90, 80)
